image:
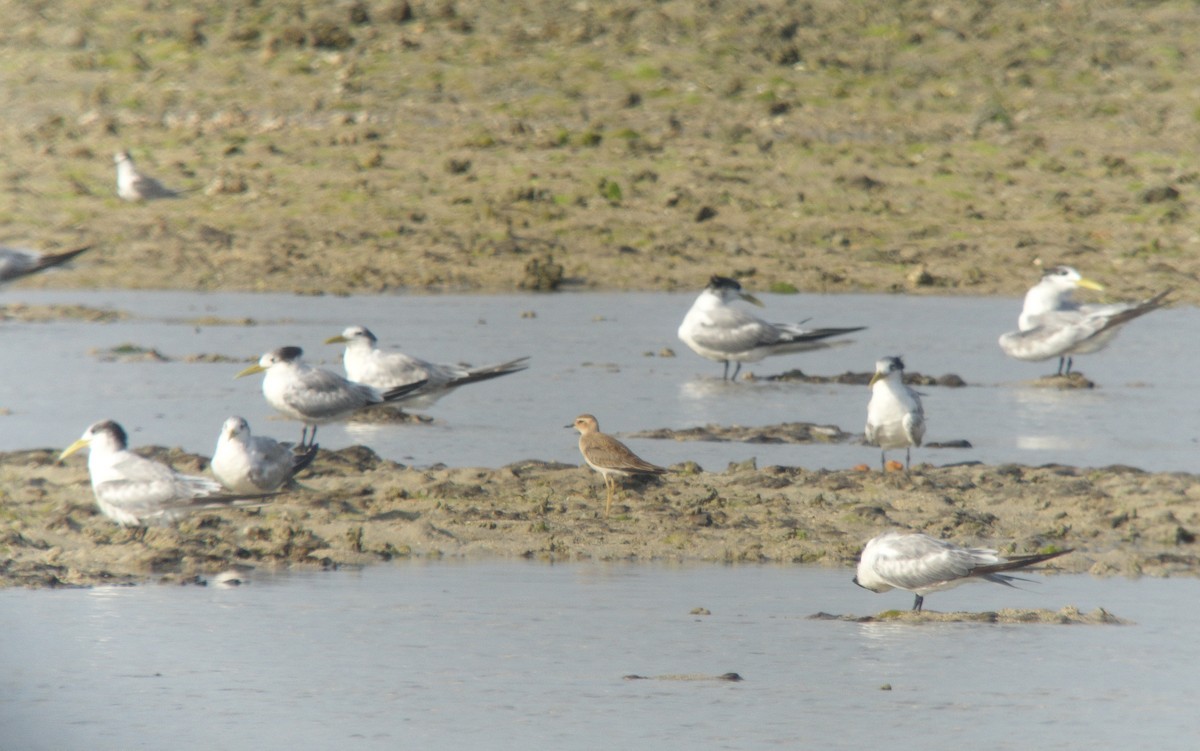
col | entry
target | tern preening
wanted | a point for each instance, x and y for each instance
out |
(714, 329)
(922, 564)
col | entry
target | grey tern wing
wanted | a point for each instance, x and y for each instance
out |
(16, 263)
(320, 394)
(486, 372)
(916, 562)
(733, 331)
(794, 332)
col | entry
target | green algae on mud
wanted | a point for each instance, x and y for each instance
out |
(355, 509)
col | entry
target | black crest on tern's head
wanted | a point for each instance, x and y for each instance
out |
(113, 430)
(889, 364)
(1064, 272)
(360, 332)
(723, 282)
(288, 354)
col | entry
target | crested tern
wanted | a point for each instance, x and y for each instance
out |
(247, 463)
(17, 262)
(366, 363)
(135, 491)
(895, 417)
(1053, 325)
(315, 396)
(716, 330)
(922, 564)
(608, 456)
(134, 186)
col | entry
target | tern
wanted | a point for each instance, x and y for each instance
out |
(247, 463)
(922, 564)
(608, 456)
(718, 331)
(135, 491)
(17, 262)
(315, 396)
(132, 185)
(1053, 325)
(366, 363)
(895, 417)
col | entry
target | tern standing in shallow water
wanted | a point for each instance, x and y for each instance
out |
(895, 417)
(247, 463)
(134, 491)
(922, 564)
(718, 331)
(17, 262)
(608, 456)
(132, 185)
(315, 396)
(366, 363)
(1053, 325)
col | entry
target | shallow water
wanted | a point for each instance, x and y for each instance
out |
(518, 655)
(597, 353)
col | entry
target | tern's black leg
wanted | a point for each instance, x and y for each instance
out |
(918, 604)
(907, 458)
(1070, 362)
(1061, 362)
(737, 370)
(882, 461)
(725, 375)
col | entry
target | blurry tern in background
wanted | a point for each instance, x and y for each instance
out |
(366, 363)
(132, 185)
(716, 330)
(17, 262)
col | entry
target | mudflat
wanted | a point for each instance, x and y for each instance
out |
(428, 146)
(424, 147)
(357, 509)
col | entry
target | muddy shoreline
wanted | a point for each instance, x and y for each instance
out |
(431, 146)
(355, 509)
(426, 147)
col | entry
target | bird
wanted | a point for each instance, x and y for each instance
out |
(132, 185)
(315, 396)
(135, 491)
(921, 564)
(246, 463)
(717, 331)
(608, 456)
(18, 262)
(1053, 325)
(895, 417)
(366, 363)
